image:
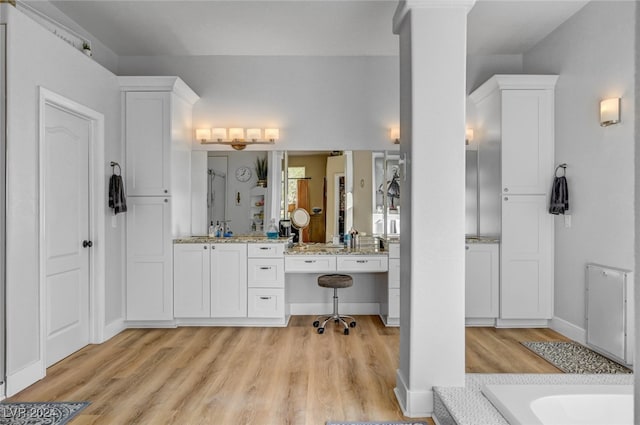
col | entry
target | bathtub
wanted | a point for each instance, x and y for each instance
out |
(563, 404)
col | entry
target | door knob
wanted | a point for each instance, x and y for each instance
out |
(87, 244)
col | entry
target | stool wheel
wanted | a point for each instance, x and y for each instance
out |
(320, 330)
(352, 324)
(346, 331)
(316, 324)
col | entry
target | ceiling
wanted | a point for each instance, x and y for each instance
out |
(297, 27)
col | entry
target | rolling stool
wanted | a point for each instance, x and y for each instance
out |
(335, 281)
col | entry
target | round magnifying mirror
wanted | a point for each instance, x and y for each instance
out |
(301, 219)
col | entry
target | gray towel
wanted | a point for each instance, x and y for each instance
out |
(559, 203)
(117, 198)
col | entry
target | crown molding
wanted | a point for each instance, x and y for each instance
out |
(405, 6)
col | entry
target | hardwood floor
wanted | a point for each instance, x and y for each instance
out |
(491, 350)
(256, 376)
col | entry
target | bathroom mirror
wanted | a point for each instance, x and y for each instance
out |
(341, 190)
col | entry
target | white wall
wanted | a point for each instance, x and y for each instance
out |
(317, 102)
(593, 53)
(101, 53)
(35, 58)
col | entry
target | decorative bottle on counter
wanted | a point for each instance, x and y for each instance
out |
(272, 230)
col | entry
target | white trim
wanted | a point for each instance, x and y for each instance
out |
(522, 323)
(159, 83)
(569, 330)
(96, 215)
(152, 324)
(113, 329)
(405, 6)
(231, 321)
(414, 404)
(390, 322)
(519, 81)
(305, 309)
(471, 322)
(26, 376)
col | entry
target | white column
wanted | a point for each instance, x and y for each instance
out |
(432, 132)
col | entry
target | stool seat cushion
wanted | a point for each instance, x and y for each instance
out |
(335, 281)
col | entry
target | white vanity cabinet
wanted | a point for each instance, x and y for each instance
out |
(390, 310)
(228, 280)
(191, 280)
(265, 268)
(482, 282)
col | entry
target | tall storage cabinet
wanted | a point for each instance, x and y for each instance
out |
(157, 136)
(515, 136)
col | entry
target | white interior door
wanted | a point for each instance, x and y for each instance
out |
(66, 197)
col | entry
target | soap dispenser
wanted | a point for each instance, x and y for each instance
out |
(212, 230)
(272, 230)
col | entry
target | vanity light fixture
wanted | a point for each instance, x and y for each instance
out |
(609, 112)
(468, 136)
(236, 136)
(219, 134)
(272, 134)
(394, 135)
(254, 134)
(203, 134)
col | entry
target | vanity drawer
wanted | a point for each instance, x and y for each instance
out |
(394, 273)
(363, 264)
(265, 302)
(265, 272)
(310, 264)
(262, 250)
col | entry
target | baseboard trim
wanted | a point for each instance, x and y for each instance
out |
(480, 322)
(150, 324)
(522, 323)
(326, 308)
(3, 394)
(25, 377)
(390, 321)
(113, 329)
(569, 330)
(240, 322)
(414, 404)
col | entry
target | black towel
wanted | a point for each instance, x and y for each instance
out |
(559, 203)
(117, 199)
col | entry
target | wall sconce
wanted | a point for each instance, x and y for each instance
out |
(236, 136)
(203, 134)
(468, 136)
(609, 112)
(394, 135)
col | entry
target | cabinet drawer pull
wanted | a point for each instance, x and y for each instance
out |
(166, 200)
(506, 189)
(265, 268)
(213, 247)
(309, 261)
(166, 191)
(265, 298)
(205, 247)
(466, 247)
(265, 248)
(362, 261)
(506, 198)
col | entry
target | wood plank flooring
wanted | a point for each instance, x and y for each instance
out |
(256, 376)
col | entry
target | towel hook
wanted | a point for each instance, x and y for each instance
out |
(564, 170)
(113, 165)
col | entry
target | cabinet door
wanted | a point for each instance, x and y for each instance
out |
(526, 258)
(149, 259)
(229, 280)
(148, 143)
(191, 289)
(527, 141)
(482, 284)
